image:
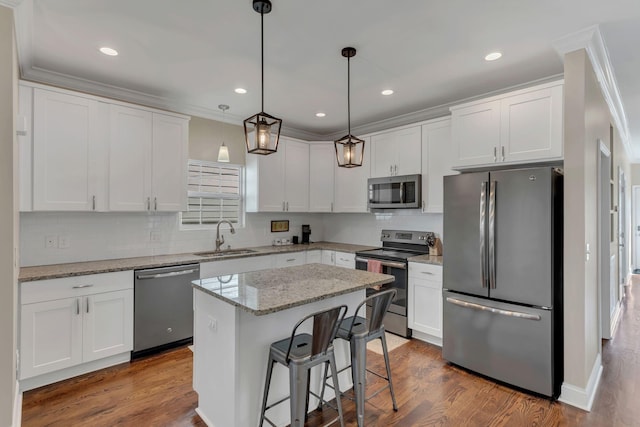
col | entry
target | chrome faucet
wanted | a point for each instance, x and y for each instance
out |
(220, 239)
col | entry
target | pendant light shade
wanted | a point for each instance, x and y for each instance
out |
(223, 151)
(349, 148)
(262, 130)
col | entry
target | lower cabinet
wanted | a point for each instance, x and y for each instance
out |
(289, 259)
(425, 301)
(344, 259)
(71, 321)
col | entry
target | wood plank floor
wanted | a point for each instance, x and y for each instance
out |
(156, 391)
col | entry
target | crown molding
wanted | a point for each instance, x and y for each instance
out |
(590, 39)
(10, 3)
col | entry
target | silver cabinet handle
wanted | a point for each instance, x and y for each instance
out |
(331, 206)
(155, 203)
(502, 153)
(495, 154)
(82, 286)
(429, 273)
(283, 206)
(395, 169)
(475, 306)
(161, 275)
(492, 235)
(87, 300)
(93, 203)
(291, 259)
(390, 169)
(77, 305)
(287, 206)
(148, 203)
(423, 206)
(483, 198)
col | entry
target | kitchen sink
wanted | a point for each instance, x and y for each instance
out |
(227, 252)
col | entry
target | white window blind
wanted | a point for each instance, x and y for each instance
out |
(214, 193)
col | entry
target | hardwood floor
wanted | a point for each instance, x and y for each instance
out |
(156, 391)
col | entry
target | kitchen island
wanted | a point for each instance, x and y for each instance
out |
(238, 316)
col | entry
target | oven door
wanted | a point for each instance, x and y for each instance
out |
(397, 270)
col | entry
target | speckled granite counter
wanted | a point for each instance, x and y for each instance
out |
(427, 259)
(268, 291)
(28, 274)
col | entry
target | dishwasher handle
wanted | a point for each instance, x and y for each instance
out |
(161, 275)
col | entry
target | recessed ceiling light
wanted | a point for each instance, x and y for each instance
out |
(240, 90)
(387, 92)
(493, 56)
(109, 51)
(320, 114)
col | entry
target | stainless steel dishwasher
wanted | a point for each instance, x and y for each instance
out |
(163, 308)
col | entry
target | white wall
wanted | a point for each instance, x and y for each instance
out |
(8, 217)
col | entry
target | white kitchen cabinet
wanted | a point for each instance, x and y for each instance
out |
(350, 185)
(279, 182)
(313, 257)
(147, 160)
(322, 160)
(518, 127)
(72, 321)
(68, 152)
(396, 152)
(425, 301)
(328, 257)
(344, 259)
(25, 144)
(289, 259)
(438, 158)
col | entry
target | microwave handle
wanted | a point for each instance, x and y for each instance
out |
(402, 192)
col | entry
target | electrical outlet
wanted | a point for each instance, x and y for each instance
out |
(213, 324)
(51, 241)
(63, 241)
(155, 236)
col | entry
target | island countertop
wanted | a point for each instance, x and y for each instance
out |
(269, 291)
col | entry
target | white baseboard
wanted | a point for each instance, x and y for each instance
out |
(615, 319)
(431, 339)
(583, 397)
(204, 418)
(17, 407)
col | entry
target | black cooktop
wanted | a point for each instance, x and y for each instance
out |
(389, 254)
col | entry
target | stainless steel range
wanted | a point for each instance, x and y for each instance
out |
(397, 247)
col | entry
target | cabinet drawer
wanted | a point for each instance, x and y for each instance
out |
(344, 259)
(425, 271)
(68, 287)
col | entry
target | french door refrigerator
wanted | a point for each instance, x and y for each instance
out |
(502, 276)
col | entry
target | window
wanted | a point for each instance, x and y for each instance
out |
(214, 193)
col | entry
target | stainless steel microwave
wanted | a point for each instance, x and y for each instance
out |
(395, 192)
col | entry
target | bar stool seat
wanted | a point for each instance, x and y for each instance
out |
(300, 353)
(359, 331)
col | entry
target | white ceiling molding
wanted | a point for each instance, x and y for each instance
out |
(591, 40)
(10, 3)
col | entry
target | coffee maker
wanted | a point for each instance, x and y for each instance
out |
(306, 232)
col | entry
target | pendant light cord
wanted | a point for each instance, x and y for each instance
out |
(349, 95)
(262, 55)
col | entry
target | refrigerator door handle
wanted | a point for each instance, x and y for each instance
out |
(492, 235)
(483, 198)
(510, 313)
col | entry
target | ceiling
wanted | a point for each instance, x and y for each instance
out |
(190, 55)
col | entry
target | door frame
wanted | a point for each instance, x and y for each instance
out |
(604, 240)
(635, 233)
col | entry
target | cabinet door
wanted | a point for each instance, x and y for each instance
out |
(313, 257)
(407, 149)
(328, 257)
(25, 143)
(350, 185)
(169, 161)
(475, 132)
(129, 159)
(322, 158)
(108, 324)
(296, 176)
(265, 181)
(344, 259)
(531, 125)
(438, 158)
(66, 152)
(383, 154)
(425, 307)
(50, 336)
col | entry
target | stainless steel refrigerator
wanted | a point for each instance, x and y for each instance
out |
(502, 307)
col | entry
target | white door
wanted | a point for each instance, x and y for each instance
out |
(50, 336)
(383, 154)
(475, 133)
(169, 161)
(622, 228)
(296, 176)
(108, 324)
(350, 185)
(66, 142)
(322, 157)
(129, 159)
(636, 227)
(407, 151)
(438, 158)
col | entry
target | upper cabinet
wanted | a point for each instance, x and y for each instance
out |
(438, 158)
(350, 184)
(396, 152)
(93, 154)
(279, 182)
(68, 152)
(518, 127)
(322, 160)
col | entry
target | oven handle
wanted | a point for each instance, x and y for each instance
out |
(391, 264)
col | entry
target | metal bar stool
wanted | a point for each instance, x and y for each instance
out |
(359, 331)
(300, 353)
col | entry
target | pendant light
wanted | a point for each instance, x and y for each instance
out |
(223, 152)
(349, 149)
(262, 130)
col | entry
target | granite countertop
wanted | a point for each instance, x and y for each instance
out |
(268, 291)
(427, 259)
(54, 271)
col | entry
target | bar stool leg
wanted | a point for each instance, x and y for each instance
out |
(324, 383)
(386, 363)
(359, 371)
(298, 379)
(267, 383)
(336, 386)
